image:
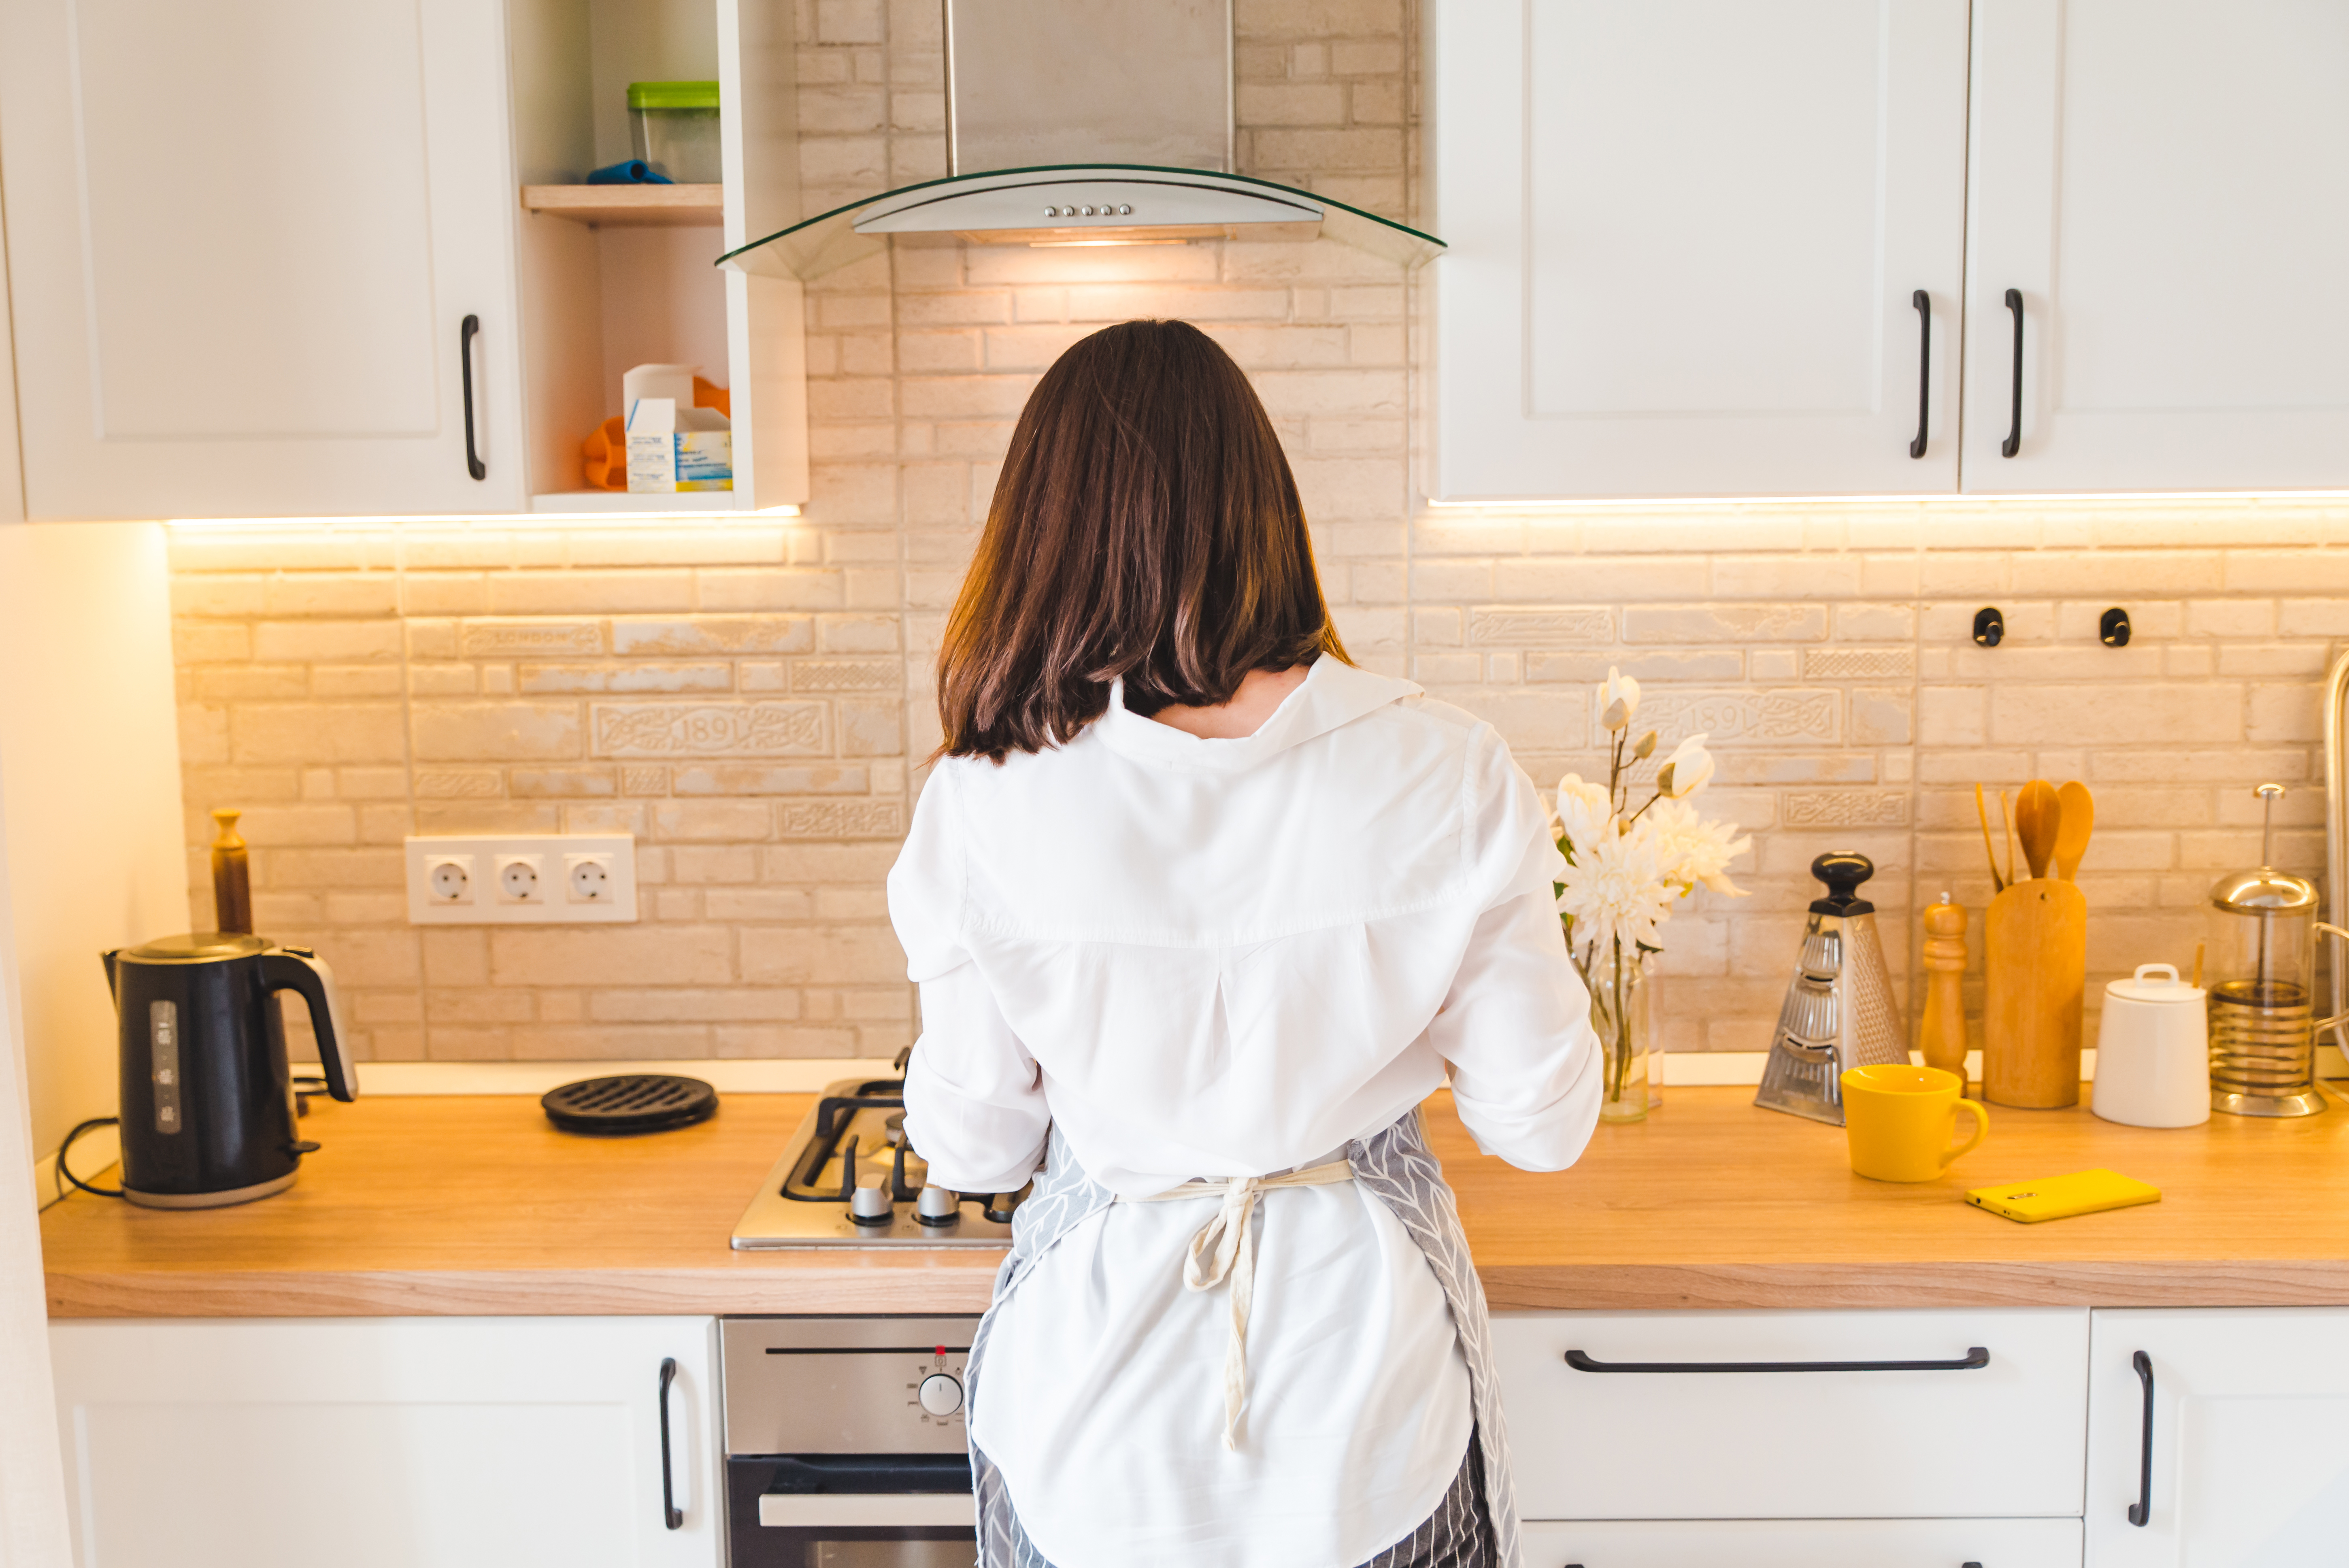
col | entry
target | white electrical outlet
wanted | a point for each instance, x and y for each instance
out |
(522, 878)
(587, 878)
(448, 880)
(518, 879)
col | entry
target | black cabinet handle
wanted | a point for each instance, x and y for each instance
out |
(1924, 304)
(1976, 1357)
(2140, 1512)
(670, 1514)
(2014, 442)
(473, 464)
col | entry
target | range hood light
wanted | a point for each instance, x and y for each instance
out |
(1075, 244)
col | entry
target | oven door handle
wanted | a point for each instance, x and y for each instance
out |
(866, 1510)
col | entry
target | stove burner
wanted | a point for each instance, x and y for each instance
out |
(851, 1176)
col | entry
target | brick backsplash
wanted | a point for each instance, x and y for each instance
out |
(751, 698)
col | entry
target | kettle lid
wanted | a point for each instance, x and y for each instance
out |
(1842, 871)
(196, 947)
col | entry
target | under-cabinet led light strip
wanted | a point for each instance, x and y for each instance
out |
(1929, 503)
(495, 523)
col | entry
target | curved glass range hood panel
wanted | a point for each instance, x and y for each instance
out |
(1078, 204)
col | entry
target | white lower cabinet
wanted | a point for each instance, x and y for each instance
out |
(391, 1442)
(1936, 1415)
(2242, 1460)
(1806, 1544)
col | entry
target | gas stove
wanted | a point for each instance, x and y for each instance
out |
(848, 1178)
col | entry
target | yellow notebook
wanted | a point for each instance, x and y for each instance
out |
(2061, 1197)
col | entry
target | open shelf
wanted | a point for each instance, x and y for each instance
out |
(630, 206)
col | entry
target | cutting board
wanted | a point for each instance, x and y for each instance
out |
(2034, 969)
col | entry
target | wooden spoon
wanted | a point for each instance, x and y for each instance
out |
(2079, 819)
(2038, 814)
(2006, 830)
(1998, 883)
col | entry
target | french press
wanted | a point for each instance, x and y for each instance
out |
(2264, 1026)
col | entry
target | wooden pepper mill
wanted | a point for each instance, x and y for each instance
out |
(1942, 1024)
(232, 877)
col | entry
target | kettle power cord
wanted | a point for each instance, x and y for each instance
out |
(60, 1176)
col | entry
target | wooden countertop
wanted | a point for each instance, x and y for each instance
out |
(477, 1205)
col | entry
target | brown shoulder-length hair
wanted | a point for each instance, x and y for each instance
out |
(1146, 525)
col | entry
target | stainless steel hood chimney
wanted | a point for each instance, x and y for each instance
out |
(1084, 122)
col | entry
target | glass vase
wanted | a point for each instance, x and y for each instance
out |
(1618, 1013)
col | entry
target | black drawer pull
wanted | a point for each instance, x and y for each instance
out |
(671, 1518)
(1976, 1357)
(2140, 1512)
(1924, 304)
(465, 331)
(2014, 442)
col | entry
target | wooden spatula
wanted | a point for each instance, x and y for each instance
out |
(1998, 883)
(2079, 819)
(2037, 812)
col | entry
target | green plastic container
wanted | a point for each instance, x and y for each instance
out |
(674, 126)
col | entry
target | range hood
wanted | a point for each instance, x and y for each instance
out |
(1083, 122)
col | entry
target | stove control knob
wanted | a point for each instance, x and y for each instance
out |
(940, 1393)
(936, 1206)
(872, 1206)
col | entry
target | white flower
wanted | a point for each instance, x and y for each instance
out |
(1618, 699)
(1585, 813)
(1615, 893)
(1691, 850)
(1687, 770)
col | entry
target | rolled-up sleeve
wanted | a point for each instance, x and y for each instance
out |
(974, 1097)
(975, 1107)
(1516, 1025)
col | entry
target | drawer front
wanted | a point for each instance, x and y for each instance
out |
(1806, 1544)
(1680, 1436)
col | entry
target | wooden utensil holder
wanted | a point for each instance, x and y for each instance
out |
(2035, 963)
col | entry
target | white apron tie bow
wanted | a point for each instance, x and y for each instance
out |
(1220, 1251)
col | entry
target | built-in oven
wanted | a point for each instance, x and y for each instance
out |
(844, 1444)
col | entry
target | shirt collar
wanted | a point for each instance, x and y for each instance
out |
(1333, 693)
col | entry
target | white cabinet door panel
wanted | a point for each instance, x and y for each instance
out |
(243, 239)
(2166, 184)
(1806, 1544)
(389, 1442)
(2003, 1439)
(2249, 1439)
(1685, 236)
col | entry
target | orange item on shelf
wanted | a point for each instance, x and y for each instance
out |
(603, 456)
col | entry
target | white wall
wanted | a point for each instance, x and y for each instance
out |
(89, 785)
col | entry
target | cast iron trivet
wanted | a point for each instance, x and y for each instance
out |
(631, 1102)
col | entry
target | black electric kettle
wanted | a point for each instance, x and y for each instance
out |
(207, 1090)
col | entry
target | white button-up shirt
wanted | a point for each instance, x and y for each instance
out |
(1215, 958)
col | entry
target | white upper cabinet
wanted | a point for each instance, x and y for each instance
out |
(1686, 242)
(244, 240)
(2165, 185)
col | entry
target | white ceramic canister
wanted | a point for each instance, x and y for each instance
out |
(2153, 1051)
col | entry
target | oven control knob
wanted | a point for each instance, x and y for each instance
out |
(940, 1393)
(937, 1206)
(872, 1206)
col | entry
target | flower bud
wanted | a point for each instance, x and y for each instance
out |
(1646, 749)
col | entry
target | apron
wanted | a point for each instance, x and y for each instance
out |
(1394, 1166)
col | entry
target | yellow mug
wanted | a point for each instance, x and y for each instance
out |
(1898, 1122)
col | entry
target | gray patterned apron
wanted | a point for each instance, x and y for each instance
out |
(1396, 1167)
